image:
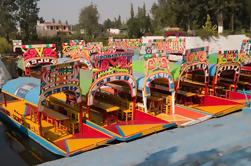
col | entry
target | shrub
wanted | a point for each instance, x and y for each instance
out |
(5, 47)
(207, 30)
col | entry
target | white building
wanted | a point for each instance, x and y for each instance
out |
(114, 31)
(50, 29)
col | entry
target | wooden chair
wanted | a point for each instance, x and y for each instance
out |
(168, 105)
(62, 129)
(49, 120)
(127, 114)
(140, 107)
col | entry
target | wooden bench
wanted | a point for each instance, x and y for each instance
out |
(244, 82)
(187, 94)
(185, 80)
(245, 75)
(126, 107)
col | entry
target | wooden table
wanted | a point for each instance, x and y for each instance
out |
(193, 82)
(153, 98)
(55, 116)
(226, 79)
(159, 94)
(108, 108)
(245, 75)
(118, 87)
(158, 107)
(187, 94)
(244, 83)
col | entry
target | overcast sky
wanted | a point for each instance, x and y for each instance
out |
(70, 9)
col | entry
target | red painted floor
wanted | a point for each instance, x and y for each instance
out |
(88, 132)
(188, 113)
(217, 101)
(140, 118)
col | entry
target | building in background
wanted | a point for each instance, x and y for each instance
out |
(113, 31)
(50, 29)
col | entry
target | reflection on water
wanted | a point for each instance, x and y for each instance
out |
(18, 149)
(11, 65)
(15, 147)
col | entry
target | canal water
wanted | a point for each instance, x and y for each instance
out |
(15, 147)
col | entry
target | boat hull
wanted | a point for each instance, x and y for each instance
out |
(38, 139)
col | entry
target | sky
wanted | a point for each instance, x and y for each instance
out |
(70, 9)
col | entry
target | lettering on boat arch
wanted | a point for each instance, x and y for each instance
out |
(127, 78)
(185, 68)
(175, 45)
(94, 44)
(246, 47)
(229, 56)
(155, 63)
(196, 55)
(195, 66)
(195, 59)
(124, 43)
(108, 63)
(93, 47)
(75, 49)
(72, 45)
(60, 78)
(34, 55)
(224, 67)
(157, 67)
(245, 53)
(157, 75)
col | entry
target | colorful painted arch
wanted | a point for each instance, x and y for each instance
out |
(127, 78)
(158, 75)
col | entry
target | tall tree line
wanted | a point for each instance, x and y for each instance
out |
(18, 13)
(233, 15)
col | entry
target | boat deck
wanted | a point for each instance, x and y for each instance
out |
(69, 143)
(87, 140)
(184, 116)
(223, 141)
(142, 124)
(217, 106)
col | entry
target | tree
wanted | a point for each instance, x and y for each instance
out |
(132, 11)
(27, 17)
(209, 27)
(144, 21)
(247, 8)
(162, 10)
(53, 20)
(107, 24)
(221, 9)
(8, 9)
(139, 24)
(66, 22)
(132, 25)
(88, 19)
(117, 22)
(41, 19)
(4, 46)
